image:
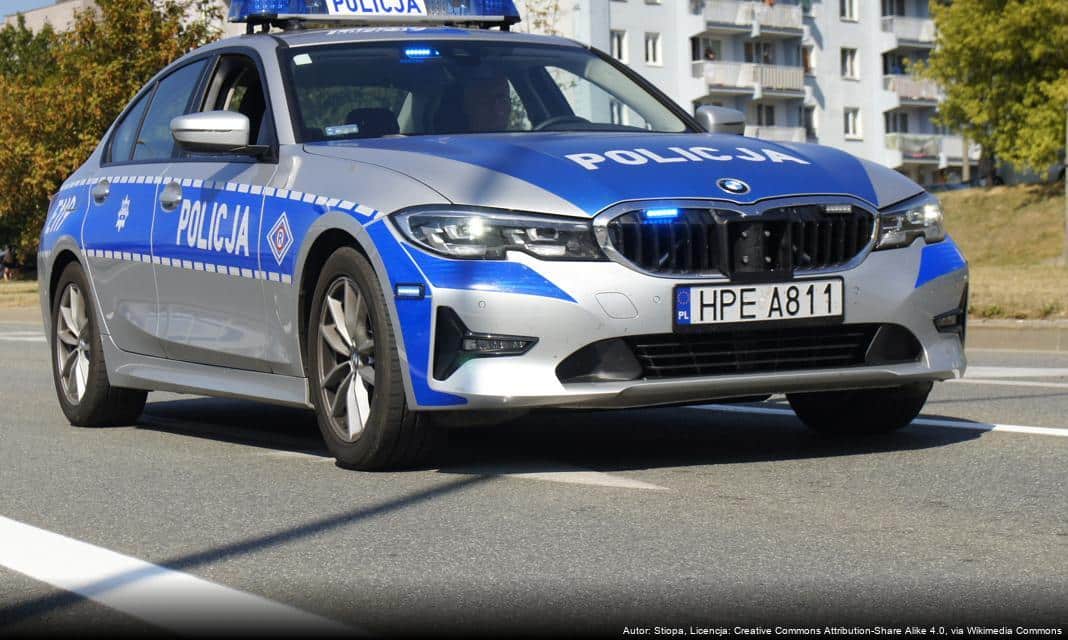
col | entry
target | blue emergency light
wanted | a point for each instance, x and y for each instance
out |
(661, 214)
(483, 13)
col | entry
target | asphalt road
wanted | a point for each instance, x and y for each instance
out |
(580, 522)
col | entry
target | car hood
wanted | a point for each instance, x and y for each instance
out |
(583, 173)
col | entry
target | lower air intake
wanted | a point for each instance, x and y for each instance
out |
(775, 350)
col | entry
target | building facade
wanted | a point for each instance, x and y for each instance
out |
(833, 72)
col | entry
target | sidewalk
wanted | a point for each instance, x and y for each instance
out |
(1021, 335)
(20, 314)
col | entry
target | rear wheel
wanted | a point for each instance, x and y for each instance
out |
(355, 371)
(78, 369)
(861, 411)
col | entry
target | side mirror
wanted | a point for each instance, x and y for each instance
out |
(214, 132)
(721, 120)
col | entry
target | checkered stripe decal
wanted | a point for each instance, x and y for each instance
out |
(305, 198)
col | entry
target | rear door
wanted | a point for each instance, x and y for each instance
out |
(207, 232)
(117, 233)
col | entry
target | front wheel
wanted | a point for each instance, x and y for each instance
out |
(355, 371)
(78, 370)
(860, 411)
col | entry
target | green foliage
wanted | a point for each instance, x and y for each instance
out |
(63, 90)
(1004, 66)
(25, 53)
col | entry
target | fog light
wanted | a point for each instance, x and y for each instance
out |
(948, 323)
(455, 344)
(496, 345)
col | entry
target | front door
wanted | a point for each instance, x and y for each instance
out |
(207, 234)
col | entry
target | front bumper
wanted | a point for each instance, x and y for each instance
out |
(598, 301)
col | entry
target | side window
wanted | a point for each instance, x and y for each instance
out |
(235, 86)
(122, 142)
(171, 99)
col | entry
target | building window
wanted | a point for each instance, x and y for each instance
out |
(808, 59)
(760, 52)
(852, 122)
(849, 63)
(808, 120)
(896, 121)
(706, 49)
(847, 9)
(893, 8)
(652, 48)
(765, 115)
(619, 45)
(894, 64)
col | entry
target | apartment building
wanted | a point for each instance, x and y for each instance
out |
(834, 72)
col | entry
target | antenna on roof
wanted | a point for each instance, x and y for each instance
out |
(294, 14)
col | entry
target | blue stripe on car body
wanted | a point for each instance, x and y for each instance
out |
(939, 259)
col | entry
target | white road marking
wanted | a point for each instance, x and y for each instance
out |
(22, 336)
(1016, 372)
(162, 597)
(555, 472)
(552, 472)
(923, 422)
(1013, 383)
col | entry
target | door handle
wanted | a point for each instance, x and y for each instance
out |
(101, 191)
(171, 196)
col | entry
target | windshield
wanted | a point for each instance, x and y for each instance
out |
(456, 87)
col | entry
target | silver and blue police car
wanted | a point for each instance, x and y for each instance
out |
(407, 219)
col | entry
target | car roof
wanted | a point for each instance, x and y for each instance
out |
(338, 35)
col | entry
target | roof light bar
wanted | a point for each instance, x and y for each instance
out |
(486, 13)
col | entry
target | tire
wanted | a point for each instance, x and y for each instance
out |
(860, 411)
(354, 369)
(78, 369)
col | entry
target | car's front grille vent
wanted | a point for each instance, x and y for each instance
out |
(767, 351)
(718, 241)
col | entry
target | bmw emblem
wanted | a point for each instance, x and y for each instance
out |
(732, 185)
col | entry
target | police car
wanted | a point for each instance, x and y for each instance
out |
(413, 217)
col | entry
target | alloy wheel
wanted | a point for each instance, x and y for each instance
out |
(346, 359)
(73, 343)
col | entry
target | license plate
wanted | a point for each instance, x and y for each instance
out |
(741, 304)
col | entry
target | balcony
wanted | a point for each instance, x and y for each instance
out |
(778, 134)
(910, 89)
(907, 31)
(754, 17)
(745, 77)
(930, 148)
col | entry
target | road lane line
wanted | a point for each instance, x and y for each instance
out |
(1016, 372)
(924, 422)
(1012, 383)
(21, 336)
(582, 477)
(162, 597)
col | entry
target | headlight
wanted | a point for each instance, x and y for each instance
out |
(921, 217)
(488, 235)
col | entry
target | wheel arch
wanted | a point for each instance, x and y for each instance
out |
(327, 234)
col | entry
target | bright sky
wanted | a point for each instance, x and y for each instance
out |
(14, 6)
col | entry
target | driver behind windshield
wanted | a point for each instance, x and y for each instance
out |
(487, 103)
(478, 104)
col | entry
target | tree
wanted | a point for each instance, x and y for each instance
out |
(541, 17)
(66, 89)
(1004, 67)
